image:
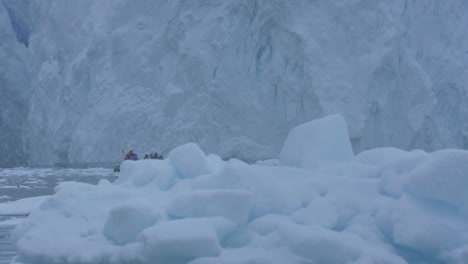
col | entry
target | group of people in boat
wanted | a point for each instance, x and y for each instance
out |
(130, 155)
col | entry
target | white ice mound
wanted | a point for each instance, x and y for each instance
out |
(235, 205)
(442, 177)
(142, 172)
(127, 220)
(323, 139)
(245, 149)
(189, 161)
(180, 241)
(380, 156)
(412, 210)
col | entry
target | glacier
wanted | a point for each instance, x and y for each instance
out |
(80, 81)
(15, 89)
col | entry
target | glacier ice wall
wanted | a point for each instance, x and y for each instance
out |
(108, 75)
(14, 88)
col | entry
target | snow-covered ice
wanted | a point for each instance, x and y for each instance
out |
(21, 207)
(328, 140)
(383, 206)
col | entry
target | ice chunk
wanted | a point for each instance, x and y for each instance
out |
(318, 244)
(142, 172)
(456, 256)
(428, 228)
(380, 156)
(245, 149)
(127, 220)
(394, 174)
(268, 162)
(319, 212)
(250, 255)
(321, 139)
(189, 160)
(271, 214)
(278, 190)
(215, 163)
(442, 177)
(235, 205)
(22, 206)
(185, 239)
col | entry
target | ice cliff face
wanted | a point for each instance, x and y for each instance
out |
(234, 76)
(14, 87)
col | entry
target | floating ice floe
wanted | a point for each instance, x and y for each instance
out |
(320, 204)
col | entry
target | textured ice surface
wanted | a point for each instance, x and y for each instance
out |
(324, 139)
(127, 220)
(232, 76)
(14, 87)
(241, 213)
(234, 205)
(189, 161)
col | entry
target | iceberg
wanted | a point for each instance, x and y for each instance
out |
(234, 212)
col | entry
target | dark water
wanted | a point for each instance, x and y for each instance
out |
(7, 249)
(19, 183)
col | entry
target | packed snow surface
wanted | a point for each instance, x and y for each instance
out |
(21, 207)
(381, 206)
(82, 80)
